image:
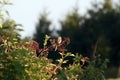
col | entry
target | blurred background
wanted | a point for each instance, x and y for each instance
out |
(93, 26)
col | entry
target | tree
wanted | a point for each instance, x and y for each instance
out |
(95, 35)
(103, 24)
(71, 28)
(42, 29)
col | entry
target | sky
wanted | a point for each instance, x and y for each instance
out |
(27, 12)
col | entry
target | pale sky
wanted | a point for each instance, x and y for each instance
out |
(27, 12)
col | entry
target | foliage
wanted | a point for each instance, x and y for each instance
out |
(97, 33)
(19, 61)
(25, 60)
(81, 67)
(101, 25)
(42, 28)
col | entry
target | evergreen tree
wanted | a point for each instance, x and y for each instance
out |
(101, 25)
(42, 29)
(71, 28)
(98, 34)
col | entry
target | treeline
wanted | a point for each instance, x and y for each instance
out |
(95, 34)
(91, 35)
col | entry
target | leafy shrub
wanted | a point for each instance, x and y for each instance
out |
(24, 60)
(19, 60)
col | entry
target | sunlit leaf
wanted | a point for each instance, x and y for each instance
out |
(46, 39)
(60, 60)
(0, 25)
(65, 61)
(60, 53)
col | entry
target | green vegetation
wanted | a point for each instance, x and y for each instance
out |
(97, 33)
(23, 59)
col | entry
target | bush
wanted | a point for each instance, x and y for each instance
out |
(24, 60)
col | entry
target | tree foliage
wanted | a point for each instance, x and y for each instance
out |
(96, 34)
(42, 28)
(24, 59)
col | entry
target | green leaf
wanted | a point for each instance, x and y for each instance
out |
(60, 53)
(72, 55)
(69, 54)
(2, 19)
(20, 25)
(10, 3)
(0, 26)
(46, 39)
(0, 2)
(65, 61)
(60, 60)
(55, 47)
(7, 13)
(5, 1)
(19, 29)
